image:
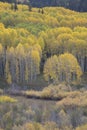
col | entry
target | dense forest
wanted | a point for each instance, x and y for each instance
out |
(78, 5)
(36, 42)
(43, 67)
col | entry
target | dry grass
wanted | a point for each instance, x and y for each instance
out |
(51, 92)
(74, 99)
(83, 127)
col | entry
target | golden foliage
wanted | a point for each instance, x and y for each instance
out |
(6, 99)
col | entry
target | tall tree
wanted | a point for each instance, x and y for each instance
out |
(62, 68)
(15, 6)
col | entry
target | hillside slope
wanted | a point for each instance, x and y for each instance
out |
(30, 39)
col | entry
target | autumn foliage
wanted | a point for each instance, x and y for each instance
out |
(31, 42)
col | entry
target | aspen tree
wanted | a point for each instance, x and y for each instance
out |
(61, 68)
(50, 69)
(35, 63)
(1, 60)
(12, 59)
(20, 55)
